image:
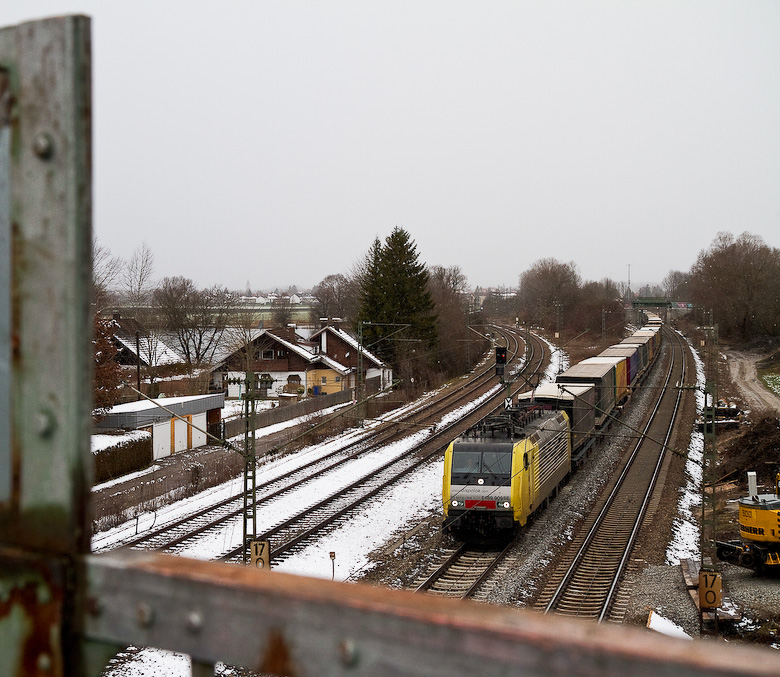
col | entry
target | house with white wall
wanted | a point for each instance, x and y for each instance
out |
(176, 423)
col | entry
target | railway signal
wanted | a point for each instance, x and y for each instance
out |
(500, 360)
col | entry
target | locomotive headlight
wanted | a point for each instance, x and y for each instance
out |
(455, 504)
(480, 481)
(505, 504)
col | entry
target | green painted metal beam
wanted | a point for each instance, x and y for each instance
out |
(45, 375)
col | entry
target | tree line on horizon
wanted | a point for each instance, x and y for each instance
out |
(422, 319)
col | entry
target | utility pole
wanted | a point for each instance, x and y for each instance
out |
(359, 379)
(629, 280)
(250, 462)
(708, 516)
(138, 362)
(527, 341)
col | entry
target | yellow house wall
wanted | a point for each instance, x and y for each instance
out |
(314, 378)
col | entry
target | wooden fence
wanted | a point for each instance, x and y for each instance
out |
(267, 417)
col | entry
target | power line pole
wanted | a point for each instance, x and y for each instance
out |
(359, 379)
(250, 463)
(558, 306)
(709, 459)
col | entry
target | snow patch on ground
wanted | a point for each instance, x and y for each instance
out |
(101, 442)
(666, 627)
(686, 531)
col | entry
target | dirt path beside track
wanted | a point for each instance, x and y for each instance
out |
(742, 367)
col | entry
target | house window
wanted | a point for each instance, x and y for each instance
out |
(338, 379)
(267, 355)
(280, 353)
(324, 380)
(264, 384)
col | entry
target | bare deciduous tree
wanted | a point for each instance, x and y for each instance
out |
(137, 277)
(600, 308)
(106, 269)
(738, 280)
(676, 285)
(549, 290)
(281, 311)
(448, 288)
(332, 297)
(196, 317)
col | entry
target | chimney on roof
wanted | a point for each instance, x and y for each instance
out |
(334, 322)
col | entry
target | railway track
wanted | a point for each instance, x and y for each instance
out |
(586, 581)
(218, 521)
(462, 573)
(291, 534)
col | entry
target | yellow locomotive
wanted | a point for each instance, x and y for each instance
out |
(500, 472)
(759, 527)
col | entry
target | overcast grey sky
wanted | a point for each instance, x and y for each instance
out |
(270, 142)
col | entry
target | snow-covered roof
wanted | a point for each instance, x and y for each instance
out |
(350, 341)
(294, 347)
(143, 413)
(233, 341)
(302, 351)
(151, 347)
(331, 364)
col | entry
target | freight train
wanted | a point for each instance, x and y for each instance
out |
(759, 527)
(502, 471)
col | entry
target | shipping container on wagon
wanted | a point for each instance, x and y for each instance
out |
(632, 353)
(601, 377)
(644, 344)
(646, 339)
(655, 328)
(621, 374)
(578, 401)
(655, 340)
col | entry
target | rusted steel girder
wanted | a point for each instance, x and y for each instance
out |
(284, 624)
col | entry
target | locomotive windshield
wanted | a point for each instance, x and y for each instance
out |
(466, 461)
(493, 465)
(497, 462)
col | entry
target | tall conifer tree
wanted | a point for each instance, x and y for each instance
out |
(371, 313)
(394, 292)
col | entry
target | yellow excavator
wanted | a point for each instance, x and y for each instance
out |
(759, 528)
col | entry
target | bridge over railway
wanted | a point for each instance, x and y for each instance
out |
(659, 302)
